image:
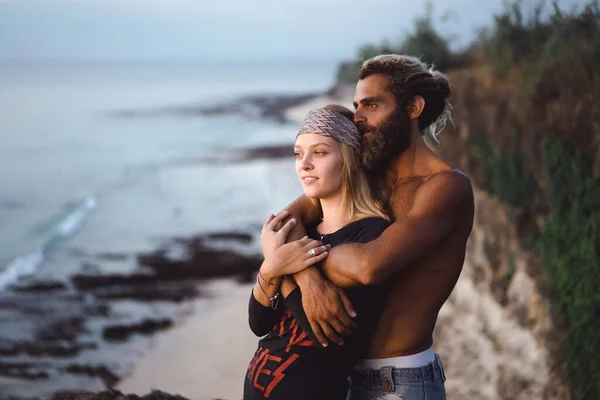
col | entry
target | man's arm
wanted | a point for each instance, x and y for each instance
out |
(439, 206)
(306, 212)
(327, 307)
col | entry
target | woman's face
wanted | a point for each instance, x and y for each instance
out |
(318, 165)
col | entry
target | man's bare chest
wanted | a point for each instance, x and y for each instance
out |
(403, 196)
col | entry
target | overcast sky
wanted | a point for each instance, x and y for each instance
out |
(196, 29)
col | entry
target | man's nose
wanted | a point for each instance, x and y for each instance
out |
(359, 117)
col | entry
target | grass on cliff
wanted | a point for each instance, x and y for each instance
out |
(555, 61)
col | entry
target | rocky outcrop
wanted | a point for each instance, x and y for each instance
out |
(495, 333)
(57, 333)
(112, 394)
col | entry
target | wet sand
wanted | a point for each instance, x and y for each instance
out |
(206, 356)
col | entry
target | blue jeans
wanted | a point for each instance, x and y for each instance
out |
(424, 383)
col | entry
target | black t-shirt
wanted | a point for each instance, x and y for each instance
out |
(289, 363)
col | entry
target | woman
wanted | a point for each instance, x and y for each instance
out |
(289, 363)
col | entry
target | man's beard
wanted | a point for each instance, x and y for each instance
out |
(384, 142)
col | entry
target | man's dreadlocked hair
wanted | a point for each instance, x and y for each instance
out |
(410, 77)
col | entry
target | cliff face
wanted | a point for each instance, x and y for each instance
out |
(495, 333)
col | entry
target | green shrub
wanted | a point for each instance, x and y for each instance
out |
(504, 173)
(424, 42)
(569, 245)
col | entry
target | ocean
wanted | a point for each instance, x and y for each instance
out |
(77, 178)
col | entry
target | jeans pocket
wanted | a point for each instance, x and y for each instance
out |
(386, 396)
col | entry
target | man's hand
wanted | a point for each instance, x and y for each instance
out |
(327, 307)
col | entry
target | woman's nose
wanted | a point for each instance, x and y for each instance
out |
(306, 164)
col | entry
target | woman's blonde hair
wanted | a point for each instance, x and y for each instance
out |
(357, 198)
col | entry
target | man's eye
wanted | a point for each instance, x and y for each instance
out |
(372, 106)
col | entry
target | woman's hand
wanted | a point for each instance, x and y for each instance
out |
(293, 257)
(273, 234)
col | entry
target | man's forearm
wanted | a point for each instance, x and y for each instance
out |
(342, 277)
(345, 266)
(305, 212)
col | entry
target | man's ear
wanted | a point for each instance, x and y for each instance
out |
(416, 106)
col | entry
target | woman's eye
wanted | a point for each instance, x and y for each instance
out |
(296, 154)
(320, 153)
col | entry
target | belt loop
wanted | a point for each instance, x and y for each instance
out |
(370, 377)
(438, 361)
(434, 370)
(387, 379)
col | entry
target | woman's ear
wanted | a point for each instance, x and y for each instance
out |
(416, 106)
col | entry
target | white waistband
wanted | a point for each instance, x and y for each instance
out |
(412, 361)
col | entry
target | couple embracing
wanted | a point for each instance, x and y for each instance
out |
(357, 269)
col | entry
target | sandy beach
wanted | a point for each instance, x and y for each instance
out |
(206, 356)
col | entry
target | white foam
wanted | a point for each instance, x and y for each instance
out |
(73, 222)
(29, 264)
(20, 267)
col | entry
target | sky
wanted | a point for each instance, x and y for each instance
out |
(199, 29)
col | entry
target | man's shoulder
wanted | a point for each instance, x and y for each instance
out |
(450, 186)
(451, 179)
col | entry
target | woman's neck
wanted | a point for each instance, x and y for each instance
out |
(334, 216)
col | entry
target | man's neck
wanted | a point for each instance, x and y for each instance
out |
(412, 162)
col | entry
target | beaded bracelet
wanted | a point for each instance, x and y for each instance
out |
(263, 278)
(276, 297)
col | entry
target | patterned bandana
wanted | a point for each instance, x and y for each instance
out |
(329, 123)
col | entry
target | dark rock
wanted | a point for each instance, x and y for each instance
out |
(248, 277)
(90, 267)
(243, 238)
(28, 371)
(113, 394)
(201, 261)
(40, 287)
(87, 282)
(146, 327)
(112, 256)
(147, 293)
(180, 259)
(269, 106)
(63, 329)
(267, 152)
(42, 349)
(100, 371)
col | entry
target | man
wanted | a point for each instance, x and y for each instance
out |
(397, 99)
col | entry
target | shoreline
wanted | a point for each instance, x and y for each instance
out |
(217, 326)
(282, 108)
(99, 328)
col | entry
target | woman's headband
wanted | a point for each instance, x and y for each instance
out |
(330, 123)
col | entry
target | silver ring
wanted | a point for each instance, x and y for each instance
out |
(312, 252)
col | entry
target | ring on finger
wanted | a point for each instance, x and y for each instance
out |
(312, 252)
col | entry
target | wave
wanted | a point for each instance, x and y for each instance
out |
(30, 263)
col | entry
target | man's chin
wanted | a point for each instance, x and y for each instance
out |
(369, 163)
